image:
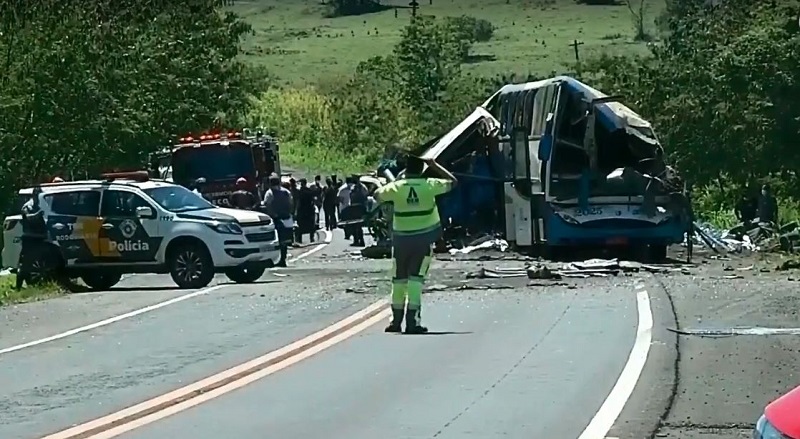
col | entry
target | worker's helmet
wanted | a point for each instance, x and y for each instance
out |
(241, 181)
(58, 180)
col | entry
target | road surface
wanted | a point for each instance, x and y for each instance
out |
(587, 358)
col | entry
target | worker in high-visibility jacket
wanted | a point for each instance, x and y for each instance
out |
(415, 227)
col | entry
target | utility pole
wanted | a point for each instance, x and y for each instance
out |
(414, 6)
(575, 44)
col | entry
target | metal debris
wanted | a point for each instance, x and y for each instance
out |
(584, 269)
(729, 332)
(465, 287)
(484, 243)
(550, 284)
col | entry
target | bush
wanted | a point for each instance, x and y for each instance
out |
(472, 29)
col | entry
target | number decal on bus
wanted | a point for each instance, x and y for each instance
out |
(588, 211)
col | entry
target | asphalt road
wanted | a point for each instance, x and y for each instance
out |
(512, 360)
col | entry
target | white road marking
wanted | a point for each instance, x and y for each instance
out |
(328, 238)
(111, 320)
(602, 422)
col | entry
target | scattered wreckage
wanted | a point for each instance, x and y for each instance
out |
(748, 238)
(581, 270)
(554, 164)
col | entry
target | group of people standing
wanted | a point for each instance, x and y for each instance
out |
(297, 200)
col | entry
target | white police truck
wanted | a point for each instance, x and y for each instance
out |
(99, 230)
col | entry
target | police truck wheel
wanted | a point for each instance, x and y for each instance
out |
(101, 281)
(245, 275)
(44, 265)
(191, 266)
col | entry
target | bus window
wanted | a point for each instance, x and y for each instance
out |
(543, 104)
(530, 95)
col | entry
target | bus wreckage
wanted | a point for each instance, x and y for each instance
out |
(556, 164)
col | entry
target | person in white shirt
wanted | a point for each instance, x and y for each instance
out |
(343, 196)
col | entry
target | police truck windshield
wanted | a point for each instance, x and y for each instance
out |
(178, 199)
(214, 162)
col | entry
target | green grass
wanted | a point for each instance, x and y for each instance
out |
(295, 42)
(9, 295)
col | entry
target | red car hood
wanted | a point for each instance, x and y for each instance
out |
(784, 413)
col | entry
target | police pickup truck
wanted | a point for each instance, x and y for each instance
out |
(99, 230)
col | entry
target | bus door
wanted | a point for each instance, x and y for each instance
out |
(544, 104)
(515, 106)
(546, 145)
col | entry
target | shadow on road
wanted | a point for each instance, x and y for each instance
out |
(80, 289)
(444, 333)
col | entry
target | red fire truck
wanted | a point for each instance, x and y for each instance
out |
(216, 160)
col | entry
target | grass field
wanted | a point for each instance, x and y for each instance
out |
(295, 42)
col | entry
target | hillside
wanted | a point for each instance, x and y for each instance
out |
(296, 42)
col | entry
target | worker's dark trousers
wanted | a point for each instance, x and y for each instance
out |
(284, 241)
(330, 217)
(27, 255)
(411, 259)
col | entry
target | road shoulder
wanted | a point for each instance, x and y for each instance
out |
(654, 391)
(724, 381)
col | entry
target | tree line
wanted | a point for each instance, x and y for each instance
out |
(85, 86)
(721, 89)
(94, 85)
(719, 84)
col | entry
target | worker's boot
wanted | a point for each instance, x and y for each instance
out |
(284, 254)
(413, 321)
(397, 321)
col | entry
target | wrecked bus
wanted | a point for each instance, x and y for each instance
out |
(570, 166)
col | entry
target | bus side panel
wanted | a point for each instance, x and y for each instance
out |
(610, 232)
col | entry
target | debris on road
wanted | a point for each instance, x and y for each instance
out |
(484, 243)
(749, 238)
(584, 269)
(729, 332)
(465, 287)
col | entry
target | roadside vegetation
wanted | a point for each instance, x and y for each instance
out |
(91, 86)
(10, 295)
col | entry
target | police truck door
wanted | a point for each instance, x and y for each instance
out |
(73, 224)
(125, 237)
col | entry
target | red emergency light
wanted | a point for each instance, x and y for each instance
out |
(189, 138)
(140, 176)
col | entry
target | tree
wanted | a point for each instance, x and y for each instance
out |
(422, 68)
(638, 10)
(340, 8)
(719, 89)
(91, 86)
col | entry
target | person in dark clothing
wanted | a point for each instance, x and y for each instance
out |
(34, 233)
(279, 205)
(358, 202)
(329, 203)
(767, 206)
(746, 209)
(242, 198)
(305, 212)
(197, 185)
(295, 193)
